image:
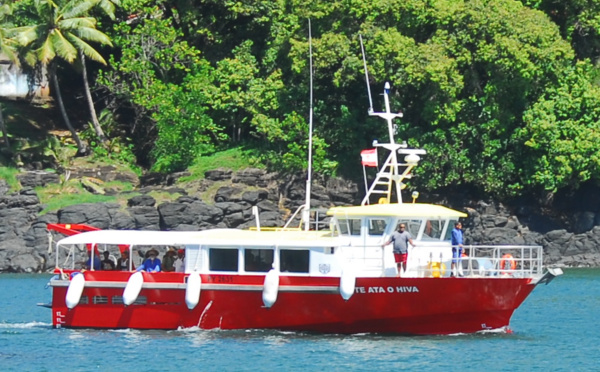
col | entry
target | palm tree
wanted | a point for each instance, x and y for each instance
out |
(108, 7)
(7, 48)
(63, 30)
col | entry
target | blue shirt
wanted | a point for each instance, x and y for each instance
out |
(97, 262)
(151, 266)
(457, 237)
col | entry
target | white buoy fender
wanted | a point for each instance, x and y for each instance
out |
(75, 290)
(347, 283)
(270, 288)
(192, 290)
(133, 288)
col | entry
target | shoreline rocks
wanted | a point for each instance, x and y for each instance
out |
(24, 243)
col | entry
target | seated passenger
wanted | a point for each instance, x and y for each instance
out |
(180, 261)
(152, 263)
(123, 262)
(107, 263)
(168, 262)
(88, 263)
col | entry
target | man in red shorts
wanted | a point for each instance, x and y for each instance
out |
(401, 238)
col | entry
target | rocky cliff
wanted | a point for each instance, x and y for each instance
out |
(24, 240)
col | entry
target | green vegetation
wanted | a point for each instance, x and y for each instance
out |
(235, 159)
(503, 94)
(55, 197)
(9, 175)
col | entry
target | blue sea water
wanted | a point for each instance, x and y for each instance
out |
(556, 329)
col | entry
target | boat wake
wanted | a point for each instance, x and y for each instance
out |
(501, 330)
(25, 325)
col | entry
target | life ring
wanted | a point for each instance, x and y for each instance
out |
(437, 269)
(507, 263)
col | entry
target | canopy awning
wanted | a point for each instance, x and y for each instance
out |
(407, 210)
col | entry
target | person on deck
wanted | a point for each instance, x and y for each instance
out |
(401, 238)
(152, 263)
(123, 262)
(457, 248)
(180, 261)
(97, 264)
(168, 262)
(107, 263)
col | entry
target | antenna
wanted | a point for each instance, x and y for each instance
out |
(362, 48)
(306, 212)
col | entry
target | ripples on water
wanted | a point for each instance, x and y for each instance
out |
(555, 329)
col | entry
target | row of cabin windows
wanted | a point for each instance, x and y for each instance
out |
(351, 226)
(259, 260)
(116, 300)
(376, 227)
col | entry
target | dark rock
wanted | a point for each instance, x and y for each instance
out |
(229, 208)
(141, 201)
(121, 220)
(251, 177)
(145, 218)
(94, 214)
(187, 199)
(234, 220)
(153, 179)
(225, 194)
(583, 221)
(342, 191)
(37, 178)
(219, 174)
(172, 178)
(267, 206)
(254, 197)
(173, 215)
(4, 187)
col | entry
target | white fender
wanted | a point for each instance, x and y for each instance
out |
(75, 290)
(270, 288)
(192, 290)
(347, 283)
(133, 288)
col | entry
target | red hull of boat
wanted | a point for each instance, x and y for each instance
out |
(379, 305)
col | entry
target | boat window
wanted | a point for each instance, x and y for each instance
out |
(377, 226)
(100, 300)
(349, 226)
(448, 235)
(433, 229)
(412, 226)
(222, 259)
(117, 300)
(294, 260)
(141, 300)
(258, 260)
(83, 300)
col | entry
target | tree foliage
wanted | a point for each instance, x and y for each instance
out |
(502, 93)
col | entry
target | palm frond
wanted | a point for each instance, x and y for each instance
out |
(5, 10)
(77, 8)
(63, 47)
(74, 23)
(87, 49)
(46, 52)
(91, 34)
(26, 35)
(108, 7)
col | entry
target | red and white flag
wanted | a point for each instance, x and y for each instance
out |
(369, 157)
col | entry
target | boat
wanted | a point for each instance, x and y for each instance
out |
(342, 279)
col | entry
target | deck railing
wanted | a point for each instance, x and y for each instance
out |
(431, 260)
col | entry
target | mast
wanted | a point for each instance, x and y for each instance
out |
(392, 174)
(306, 211)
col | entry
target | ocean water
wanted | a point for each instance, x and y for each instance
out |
(556, 329)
